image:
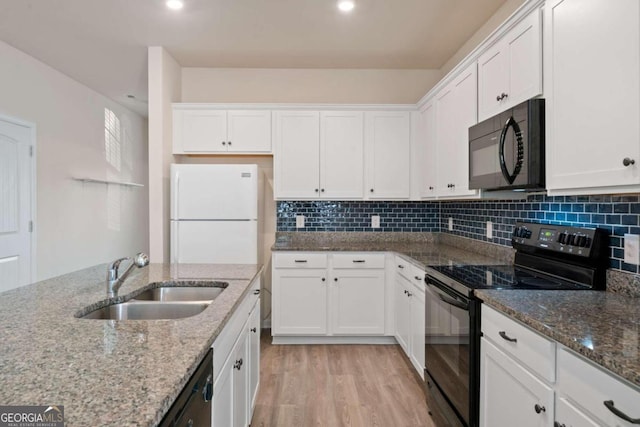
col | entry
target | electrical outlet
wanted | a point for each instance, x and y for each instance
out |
(632, 249)
(489, 230)
(450, 224)
(375, 221)
(299, 221)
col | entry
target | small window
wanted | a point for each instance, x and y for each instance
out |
(112, 136)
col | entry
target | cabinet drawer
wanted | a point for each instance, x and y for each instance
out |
(410, 272)
(590, 386)
(300, 260)
(358, 260)
(527, 346)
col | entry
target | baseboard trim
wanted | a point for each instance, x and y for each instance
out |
(376, 340)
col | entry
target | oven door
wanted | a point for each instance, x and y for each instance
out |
(449, 360)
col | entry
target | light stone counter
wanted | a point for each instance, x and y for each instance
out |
(107, 372)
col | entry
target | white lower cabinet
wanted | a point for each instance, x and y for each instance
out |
(528, 380)
(328, 295)
(509, 394)
(236, 365)
(410, 312)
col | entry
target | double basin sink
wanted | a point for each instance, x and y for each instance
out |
(161, 302)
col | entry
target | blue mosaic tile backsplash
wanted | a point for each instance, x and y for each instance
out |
(619, 214)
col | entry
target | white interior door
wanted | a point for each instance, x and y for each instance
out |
(15, 204)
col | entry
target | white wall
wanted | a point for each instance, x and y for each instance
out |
(77, 225)
(306, 85)
(164, 88)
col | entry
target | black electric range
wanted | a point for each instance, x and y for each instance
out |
(548, 257)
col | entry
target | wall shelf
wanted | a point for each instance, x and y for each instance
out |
(101, 181)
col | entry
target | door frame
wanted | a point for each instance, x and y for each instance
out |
(33, 187)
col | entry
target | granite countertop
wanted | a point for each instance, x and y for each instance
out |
(423, 249)
(108, 372)
(602, 326)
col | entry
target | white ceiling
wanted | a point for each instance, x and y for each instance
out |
(102, 43)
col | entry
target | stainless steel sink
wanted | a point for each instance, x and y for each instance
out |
(168, 294)
(147, 311)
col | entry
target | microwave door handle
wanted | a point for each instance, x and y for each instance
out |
(511, 177)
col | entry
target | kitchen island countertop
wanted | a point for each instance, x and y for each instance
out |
(108, 372)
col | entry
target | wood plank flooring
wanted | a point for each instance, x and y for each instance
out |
(337, 385)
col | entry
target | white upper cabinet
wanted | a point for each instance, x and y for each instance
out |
(297, 155)
(592, 64)
(427, 163)
(456, 111)
(319, 155)
(341, 154)
(388, 148)
(201, 131)
(510, 72)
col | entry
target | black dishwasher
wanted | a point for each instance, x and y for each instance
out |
(192, 408)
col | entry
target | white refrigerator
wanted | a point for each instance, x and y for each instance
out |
(214, 214)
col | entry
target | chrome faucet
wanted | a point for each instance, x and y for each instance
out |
(114, 281)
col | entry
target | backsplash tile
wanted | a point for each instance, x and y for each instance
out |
(619, 214)
(356, 216)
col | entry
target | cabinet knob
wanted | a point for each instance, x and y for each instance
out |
(557, 424)
(501, 96)
(539, 409)
(224, 143)
(400, 266)
(405, 292)
(409, 294)
(254, 330)
(238, 364)
(316, 190)
(417, 277)
(371, 190)
(323, 279)
(335, 279)
(228, 142)
(322, 190)
(256, 292)
(430, 188)
(627, 161)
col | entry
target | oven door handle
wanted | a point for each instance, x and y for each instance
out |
(448, 298)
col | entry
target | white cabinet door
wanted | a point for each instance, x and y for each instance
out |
(456, 111)
(417, 329)
(254, 357)
(202, 131)
(249, 131)
(493, 81)
(402, 313)
(592, 64)
(427, 162)
(299, 302)
(568, 415)
(511, 71)
(524, 53)
(341, 154)
(388, 148)
(297, 155)
(358, 302)
(240, 381)
(509, 394)
(222, 403)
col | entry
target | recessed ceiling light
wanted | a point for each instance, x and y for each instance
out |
(346, 5)
(174, 4)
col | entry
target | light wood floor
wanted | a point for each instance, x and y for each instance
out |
(337, 385)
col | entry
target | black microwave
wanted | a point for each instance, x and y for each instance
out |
(506, 152)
